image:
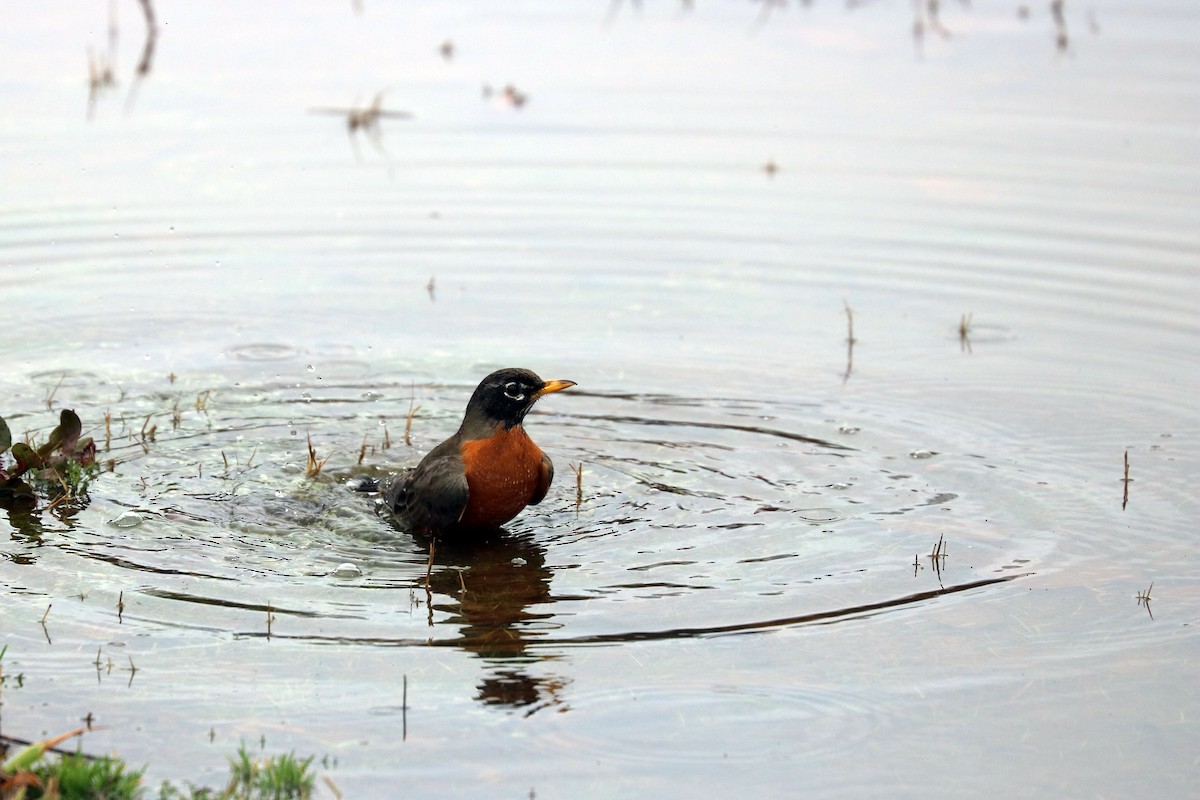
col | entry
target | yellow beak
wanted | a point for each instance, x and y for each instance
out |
(553, 386)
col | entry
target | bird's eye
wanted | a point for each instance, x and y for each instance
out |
(512, 390)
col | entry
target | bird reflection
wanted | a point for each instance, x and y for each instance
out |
(500, 582)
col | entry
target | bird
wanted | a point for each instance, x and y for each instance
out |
(487, 472)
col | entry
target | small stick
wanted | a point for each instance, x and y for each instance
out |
(270, 619)
(54, 391)
(362, 451)
(578, 470)
(1143, 599)
(120, 606)
(412, 412)
(850, 341)
(964, 332)
(429, 566)
(314, 466)
(404, 709)
(107, 430)
(47, 613)
(1126, 480)
(387, 439)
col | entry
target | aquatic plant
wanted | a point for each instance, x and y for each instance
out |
(29, 775)
(63, 465)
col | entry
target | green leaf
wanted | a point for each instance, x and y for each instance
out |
(26, 458)
(65, 435)
(5, 436)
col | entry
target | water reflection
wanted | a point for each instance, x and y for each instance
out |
(101, 67)
(366, 119)
(499, 580)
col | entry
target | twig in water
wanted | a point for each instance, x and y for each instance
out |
(47, 613)
(850, 341)
(270, 619)
(964, 332)
(314, 465)
(107, 430)
(578, 470)
(54, 391)
(412, 412)
(362, 451)
(120, 607)
(429, 566)
(1126, 480)
(148, 432)
(1143, 599)
(404, 709)
(937, 556)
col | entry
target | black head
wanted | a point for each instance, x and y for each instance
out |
(506, 396)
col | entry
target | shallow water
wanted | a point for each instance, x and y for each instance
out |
(745, 598)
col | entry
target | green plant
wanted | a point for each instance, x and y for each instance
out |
(80, 778)
(65, 462)
(282, 777)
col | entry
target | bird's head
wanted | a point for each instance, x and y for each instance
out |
(505, 397)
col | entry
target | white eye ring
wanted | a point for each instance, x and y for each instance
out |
(513, 393)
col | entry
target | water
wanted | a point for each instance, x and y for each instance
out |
(900, 568)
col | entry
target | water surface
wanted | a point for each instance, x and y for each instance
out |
(898, 567)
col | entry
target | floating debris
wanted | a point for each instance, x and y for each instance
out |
(126, 519)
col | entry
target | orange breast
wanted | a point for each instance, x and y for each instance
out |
(502, 473)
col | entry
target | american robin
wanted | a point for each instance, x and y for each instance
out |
(487, 472)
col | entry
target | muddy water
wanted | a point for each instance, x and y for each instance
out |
(903, 566)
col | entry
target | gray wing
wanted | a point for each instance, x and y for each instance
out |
(438, 493)
(545, 478)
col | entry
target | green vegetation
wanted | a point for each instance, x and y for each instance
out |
(61, 467)
(28, 775)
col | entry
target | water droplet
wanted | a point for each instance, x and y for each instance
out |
(840, 487)
(922, 454)
(848, 429)
(127, 519)
(347, 570)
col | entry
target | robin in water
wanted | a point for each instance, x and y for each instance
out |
(487, 472)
